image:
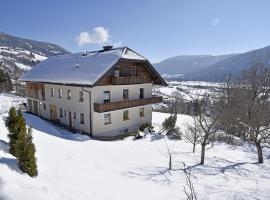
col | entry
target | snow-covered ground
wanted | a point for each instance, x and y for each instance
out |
(74, 167)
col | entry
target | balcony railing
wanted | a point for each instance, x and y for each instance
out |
(105, 107)
(127, 80)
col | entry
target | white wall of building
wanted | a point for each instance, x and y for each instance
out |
(98, 128)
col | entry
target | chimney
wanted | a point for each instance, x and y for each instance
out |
(107, 48)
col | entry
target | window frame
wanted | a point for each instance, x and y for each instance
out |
(141, 112)
(60, 93)
(125, 115)
(52, 92)
(68, 94)
(127, 97)
(82, 118)
(61, 112)
(105, 121)
(81, 99)
(106, 100)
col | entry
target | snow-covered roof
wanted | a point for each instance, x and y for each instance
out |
(79, 68)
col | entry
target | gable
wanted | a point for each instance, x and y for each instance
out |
(140, 71)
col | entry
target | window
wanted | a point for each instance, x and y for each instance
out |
(125, 115)
(74, 115)
(117, 71)
(65, 113)
(82, 118)
(81, 96)
(61, 112)
(44, 106)
(141, 112)
(60, 94)
(107, 118)
(68, 94)
(126, 130)
(125, 94)
(141, 93)
(106, 96)
(52, 92)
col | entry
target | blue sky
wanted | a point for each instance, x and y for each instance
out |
(157, 29)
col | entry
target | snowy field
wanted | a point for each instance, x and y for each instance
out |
(74, 167)
(189, 90)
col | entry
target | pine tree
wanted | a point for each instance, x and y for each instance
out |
(11, 124)
(27, 159)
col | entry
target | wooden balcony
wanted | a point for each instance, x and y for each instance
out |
(105, 107)
(128, 80)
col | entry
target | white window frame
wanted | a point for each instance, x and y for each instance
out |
(82, 118)
(107, 118)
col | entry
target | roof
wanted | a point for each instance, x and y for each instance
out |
(79, 68)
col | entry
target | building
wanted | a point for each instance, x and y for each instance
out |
(102, 93)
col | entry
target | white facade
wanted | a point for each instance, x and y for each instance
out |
(67, 100)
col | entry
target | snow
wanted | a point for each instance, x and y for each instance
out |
(40, 57)
(76, 68)
(22, 66)
(73, 166)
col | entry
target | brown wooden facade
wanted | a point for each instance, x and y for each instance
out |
(35, 91)
(130, 72)
(105, 107)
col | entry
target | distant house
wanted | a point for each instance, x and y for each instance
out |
(103, 93)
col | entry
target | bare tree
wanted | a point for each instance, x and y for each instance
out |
(245, 107)
(193, 134)
(206, 120)
(167, 125)
(189, 190)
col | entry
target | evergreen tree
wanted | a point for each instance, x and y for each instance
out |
(11, 124)
(27, 159)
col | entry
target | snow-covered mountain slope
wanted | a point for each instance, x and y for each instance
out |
(233, 65)
(18, 55)
(72, 166)
(183, 65)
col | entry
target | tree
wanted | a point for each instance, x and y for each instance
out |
(11, 124)
(27, 159)
(167, 125)
(189, 190)
(206, 121)
(21, 145)
(193, 134)
(250, 106)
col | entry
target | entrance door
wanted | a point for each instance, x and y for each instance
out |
(35, 107)
(70, 119)
(53, 112)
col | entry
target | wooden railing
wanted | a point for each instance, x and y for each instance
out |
(105, 107)
(127, 80)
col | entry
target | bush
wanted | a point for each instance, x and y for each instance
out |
(174, 133)
(146, 125)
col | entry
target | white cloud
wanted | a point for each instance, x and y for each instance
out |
(98, 35)
(215, 21)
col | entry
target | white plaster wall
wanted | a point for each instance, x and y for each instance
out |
(73, 105)
(117, 123)
(98, 127)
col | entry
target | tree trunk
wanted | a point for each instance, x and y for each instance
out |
(202, 154)
(259, 152)
(194, 146)
(170, 162)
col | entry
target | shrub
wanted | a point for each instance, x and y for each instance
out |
(146, 125)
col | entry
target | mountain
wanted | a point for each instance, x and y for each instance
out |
(187, 64)
(234, 65)
(18, 55)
